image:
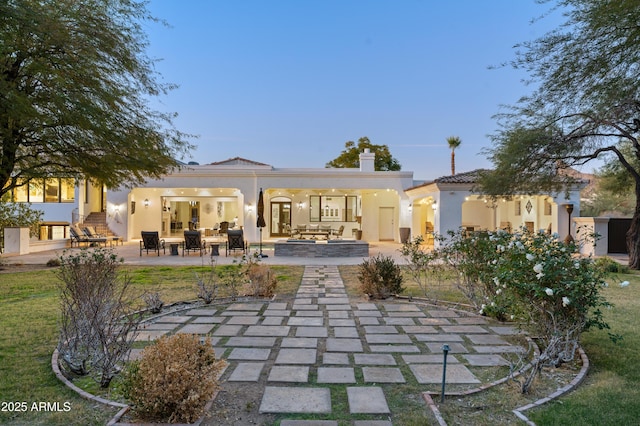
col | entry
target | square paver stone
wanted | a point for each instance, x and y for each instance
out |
(442, 314)
(432, 373)
(299, 342)
(382, 375)
(454, 348)
(310, 423)
(366, 306)
(400, 307)
(486, 339)
(202, 312)
(429, 359)
(488, 360)
(465, 329)
(196, 328)
(276, 313)
(227, 330)
(470, 320)
(306, 321)
(174, 319)
(335, 358)
(368, 321)
(387, 338)
(208, 320)
(339, 314)
(374, 359)
(289, 373)
(246, 372)
(250, 354)
(296, 356)
(419, 329)
(245, 307)
(272, 321)
(277, 305)
(344, 345)
(505, 330)
(336, 375)
(243, 320)
(394, 348)
(380, 329)
(345, 332)
(267, 342)
(267, 330)
(295, 400)
(399, 321)
(311, 332)
(339, 322)
(367, 399)
(309, 314)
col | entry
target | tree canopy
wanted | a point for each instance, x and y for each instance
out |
(585, 101)
(350, 157)
(75, 85)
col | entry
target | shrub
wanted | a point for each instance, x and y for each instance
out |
(173, 380)
(609, 265)
(262, 282)
(153, 301)
(380, 277)
(207, 285)
(98, 323)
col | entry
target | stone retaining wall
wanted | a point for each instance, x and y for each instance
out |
(333, 248)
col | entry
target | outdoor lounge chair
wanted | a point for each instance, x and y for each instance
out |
(151, 241)
(77, 236)
(193, 242)
(91, 232)
(236, 241)
(338, 232)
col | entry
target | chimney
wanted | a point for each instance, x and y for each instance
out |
(367, 161)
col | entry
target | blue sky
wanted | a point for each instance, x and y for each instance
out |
(287, 83)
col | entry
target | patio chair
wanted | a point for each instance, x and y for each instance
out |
(91, 232)
(193, 242)
(223, 227)
(338, 232)
(151, 242)
(78, 237)
(236, 241)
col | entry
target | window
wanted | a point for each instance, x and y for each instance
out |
(51, 190)
(333, 208)
(36, 194)
(547, 208)
(67, 190)
(518, 206)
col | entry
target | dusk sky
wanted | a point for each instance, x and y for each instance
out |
(287, 83)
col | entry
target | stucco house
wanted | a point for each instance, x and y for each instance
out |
(385, 205)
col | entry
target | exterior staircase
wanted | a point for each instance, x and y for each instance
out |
(99, 221)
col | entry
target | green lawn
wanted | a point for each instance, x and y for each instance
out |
(28, 324)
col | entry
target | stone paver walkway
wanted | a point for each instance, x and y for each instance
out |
(321, 338)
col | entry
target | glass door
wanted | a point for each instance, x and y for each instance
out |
(280, 224)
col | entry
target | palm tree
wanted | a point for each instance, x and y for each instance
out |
(454, 142)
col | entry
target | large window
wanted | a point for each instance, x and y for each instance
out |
(341, 208)
(51, 190)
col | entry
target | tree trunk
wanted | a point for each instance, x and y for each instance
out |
(453, 163)
(633, 235)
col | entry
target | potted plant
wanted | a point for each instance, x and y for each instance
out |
(359, 230)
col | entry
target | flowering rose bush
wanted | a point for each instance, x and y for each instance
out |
(532, 278)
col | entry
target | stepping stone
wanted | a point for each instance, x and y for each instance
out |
(276, 313)
(463, 329)
(339, 314)
(399, 321)
(208, 320)
(346, 332)
(175, 319)
(367, 313)
(454, 348)
(245, 307)
(429, 359)
(387, 338)
(432, 373)
(227, 330)
(288, 373)
(380, 329)
(400, 307)
(439, 338)
(368, 321)
(305, 307)
(344, 345)
(419, 329)
(253, 354)
(203, 312)
(228, 313)
(302, 301)
(374, 359)
(470, 320)
(367, 399)
(311, 423)
(371, 423)
(272, 321)
(299, 342)
(335, 358)
(498, 349)
(252, 341)
(336, 375)
(434, 321)
(196, 328)
(406, 314)
(243, 320)
(505, 331)
(366, 306)
(382, 375)
(246, 372)
(337, 307)
(393, 348)
(341, 322)
(486, 339)
(276, 305)
(296, 356)
(485, 360)
(267, 330)
(311, 332)
(306, 321)
(309, 313)
(295, 400)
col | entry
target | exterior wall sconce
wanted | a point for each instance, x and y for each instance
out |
(569, 239)
(300, 205)
(146, 202)
(434, 206)
(410, 208)
(249, 208)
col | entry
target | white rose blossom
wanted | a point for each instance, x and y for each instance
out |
(548, 291)
(565, 301)
(624, 283)
(537, 268)
(530, 257)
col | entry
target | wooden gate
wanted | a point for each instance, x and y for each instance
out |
(618, 235)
